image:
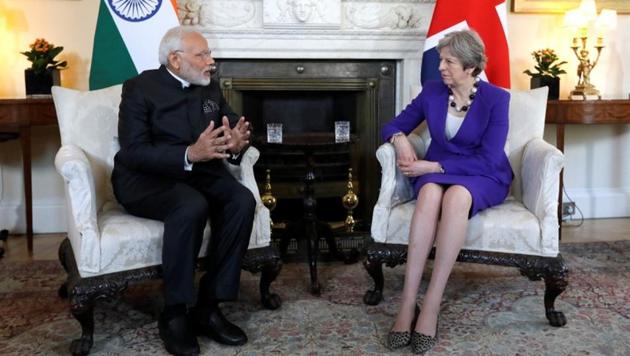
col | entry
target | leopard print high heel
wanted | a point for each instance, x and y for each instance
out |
(421, 343)
(398, 339)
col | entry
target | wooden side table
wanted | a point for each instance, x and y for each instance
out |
(583, 112)
(18, 116)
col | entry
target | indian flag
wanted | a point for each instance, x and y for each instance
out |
(128, 34)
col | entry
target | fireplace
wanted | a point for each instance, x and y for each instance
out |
(308, 97)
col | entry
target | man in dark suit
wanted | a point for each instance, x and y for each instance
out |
(175, 128)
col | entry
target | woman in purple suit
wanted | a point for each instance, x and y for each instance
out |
(465, 170)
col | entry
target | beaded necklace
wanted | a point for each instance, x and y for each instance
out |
(471, 97)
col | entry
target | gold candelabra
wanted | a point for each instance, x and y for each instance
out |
(584, 87)
(350, 201)
(584, 18)
(267, 198)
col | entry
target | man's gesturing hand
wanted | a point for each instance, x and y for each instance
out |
(239, 134)
(211, 144)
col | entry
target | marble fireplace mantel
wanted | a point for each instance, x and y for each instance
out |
(317, 29)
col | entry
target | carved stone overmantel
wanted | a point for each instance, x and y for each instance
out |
(217, 14)
(302, 13)
(381, 15)
(317, 29)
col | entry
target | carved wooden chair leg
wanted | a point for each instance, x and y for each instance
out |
(556, 282)
(4, 235)
(377, 254)
(267, 260)
(62, 292)
(554, 272)
(269, 273)
(374, 266)
(83, 311)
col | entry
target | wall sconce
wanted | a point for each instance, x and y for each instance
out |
(584, 18)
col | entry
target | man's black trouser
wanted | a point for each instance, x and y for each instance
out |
(208, 192)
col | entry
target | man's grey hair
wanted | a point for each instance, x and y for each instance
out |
(467, 46)
(172, 41)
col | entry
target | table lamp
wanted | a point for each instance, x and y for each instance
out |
(583, 19)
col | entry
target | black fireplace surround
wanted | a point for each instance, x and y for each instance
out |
(308, 96)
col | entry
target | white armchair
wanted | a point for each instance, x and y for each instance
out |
(522, 232)
(107, 248)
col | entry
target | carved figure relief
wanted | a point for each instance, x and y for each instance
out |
(303, 9)
(188, 11)
(221, 13)
(294, 13)
(377, 16)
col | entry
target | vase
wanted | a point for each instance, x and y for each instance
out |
(40, 83)
(552, 82)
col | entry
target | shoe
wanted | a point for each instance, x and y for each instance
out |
(398, 339)
(178, 337)
(421, 343)
(213, 324)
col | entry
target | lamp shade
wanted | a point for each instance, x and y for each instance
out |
(573, 19)
(607, 20)
(588, 8)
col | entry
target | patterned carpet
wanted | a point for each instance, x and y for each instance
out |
(487, 311)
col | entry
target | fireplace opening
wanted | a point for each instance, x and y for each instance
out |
(308, 97)
(299, 111)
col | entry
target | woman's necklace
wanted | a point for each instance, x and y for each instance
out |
(471, 97)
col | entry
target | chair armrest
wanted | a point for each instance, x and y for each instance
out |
(386, 156)
(244, 173)
(540, 174)
(74, 167)
(395, 187)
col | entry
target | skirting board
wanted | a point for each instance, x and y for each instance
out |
(48, 217)
(600, 202)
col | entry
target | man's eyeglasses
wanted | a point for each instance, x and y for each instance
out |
(205, 55)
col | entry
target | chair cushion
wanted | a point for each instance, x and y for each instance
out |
(89, 120)
(527, 121)
(130, 242)
(508, 227)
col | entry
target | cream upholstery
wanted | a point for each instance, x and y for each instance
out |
(103, 236)
(526, 223)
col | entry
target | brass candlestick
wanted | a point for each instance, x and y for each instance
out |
(267, 198)
(350, 201)
(584, 87)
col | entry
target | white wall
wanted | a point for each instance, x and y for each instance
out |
(597, 162)
(597, 172)
(67, 23)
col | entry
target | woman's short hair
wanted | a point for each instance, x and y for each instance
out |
(467, 46)
(172, 41)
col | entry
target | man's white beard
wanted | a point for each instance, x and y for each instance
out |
(189, 74)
